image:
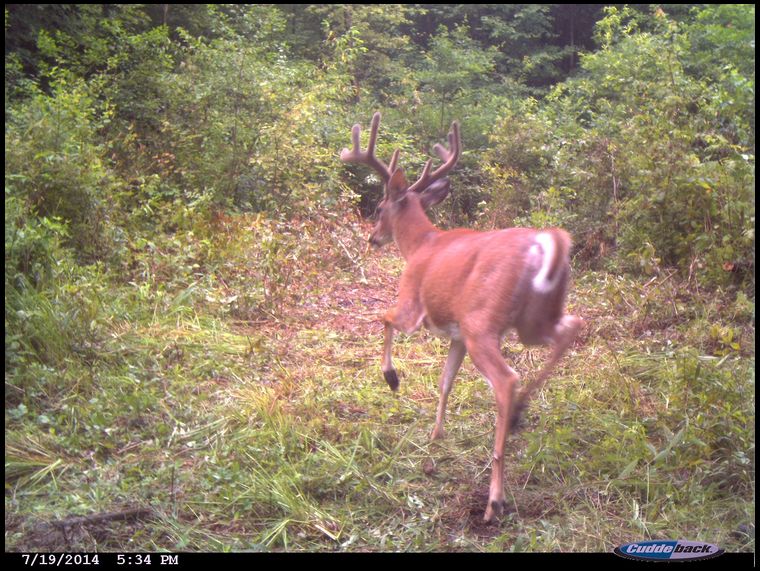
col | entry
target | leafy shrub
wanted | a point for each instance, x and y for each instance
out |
(51, 304)
(56, 164)
(638, 154)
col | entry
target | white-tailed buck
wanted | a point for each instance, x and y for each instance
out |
(472, 287)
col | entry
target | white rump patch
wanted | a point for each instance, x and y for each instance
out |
(541, 283)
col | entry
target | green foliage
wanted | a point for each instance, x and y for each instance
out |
(536, 43)
(79, 37)
(707, 402)
(721, 36)
(34, 260)
(52, 305)
(454, 64)
(57, 165)
(643, 156)
(189, 297)
(377, 29)
(33, 245)
(137, 80)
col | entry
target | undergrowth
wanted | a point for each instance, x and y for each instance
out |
(234, 392)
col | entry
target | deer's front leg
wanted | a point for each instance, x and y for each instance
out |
(457, 352)
(389, 372)
(405, 317)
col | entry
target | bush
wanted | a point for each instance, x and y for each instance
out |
(56, 164)
(638, 155)
(49, 311)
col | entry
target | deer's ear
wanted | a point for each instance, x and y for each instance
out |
(397, 185)
(435, 193)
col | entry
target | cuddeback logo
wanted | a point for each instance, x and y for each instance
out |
(668, 550)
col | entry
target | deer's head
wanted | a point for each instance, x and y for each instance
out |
(399, 195)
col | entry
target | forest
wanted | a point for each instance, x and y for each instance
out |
(193, 329)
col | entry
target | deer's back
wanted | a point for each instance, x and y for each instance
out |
(480, 282)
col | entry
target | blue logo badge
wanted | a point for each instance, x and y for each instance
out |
(668, 550)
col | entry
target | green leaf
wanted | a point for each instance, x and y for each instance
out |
(628, 469)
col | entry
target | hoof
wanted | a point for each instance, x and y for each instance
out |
(392, 379)
(494, 510)
(437, 434)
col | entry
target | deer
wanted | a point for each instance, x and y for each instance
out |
(471, 287)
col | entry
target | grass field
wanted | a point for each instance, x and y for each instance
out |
(236, 401)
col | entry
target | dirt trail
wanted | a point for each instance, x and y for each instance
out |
(348, 306)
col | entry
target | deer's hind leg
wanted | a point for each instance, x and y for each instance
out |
(561, 338)
(486, 356)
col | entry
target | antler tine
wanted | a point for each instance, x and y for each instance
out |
(449, 156)
(394, 160)
(373, 127)
(443, 153)
(356, 155)
(455, 139)
(426, 169)
(356, 132)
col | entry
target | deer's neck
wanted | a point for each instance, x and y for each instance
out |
(412, 229)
